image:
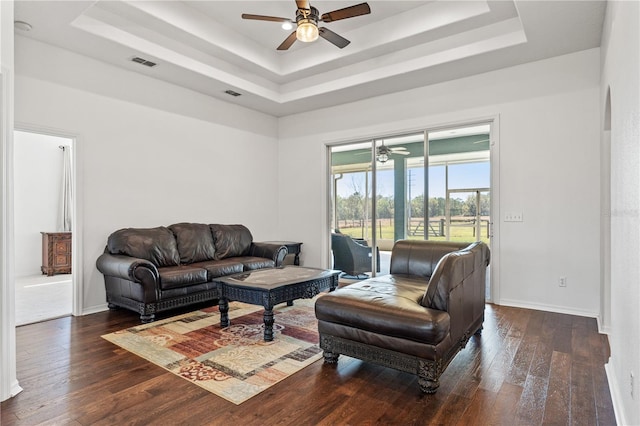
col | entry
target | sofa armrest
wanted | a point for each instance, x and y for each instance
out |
(126, 267)
(274, 252)
(450, 272)
(458, 287)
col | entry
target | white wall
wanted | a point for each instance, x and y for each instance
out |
(141, 166)
(549, 169)
(8, 382)
(620, 75)
(37, 187)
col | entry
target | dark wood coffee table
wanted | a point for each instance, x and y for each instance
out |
(269, 287)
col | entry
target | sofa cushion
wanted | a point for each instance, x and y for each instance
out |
(181, 276)
(251, 262)
(157, 245)
(219, 268)
(387, 305)
(231, 240)
(195, 242)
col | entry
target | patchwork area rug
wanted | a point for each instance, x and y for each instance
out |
(234, 363)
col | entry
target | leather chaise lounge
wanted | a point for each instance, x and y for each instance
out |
(158, 269)
(415, 319)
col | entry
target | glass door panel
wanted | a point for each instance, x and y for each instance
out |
(468, 218)
(399, 207)
(402, 187)
(351, 215)
(459, 186)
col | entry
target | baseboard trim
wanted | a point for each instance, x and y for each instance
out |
(15, 389)
(95, 309)
(615, 393)
(548, 308)
(601, 328)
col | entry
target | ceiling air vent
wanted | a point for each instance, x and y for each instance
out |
(232, 93)
(143, 61)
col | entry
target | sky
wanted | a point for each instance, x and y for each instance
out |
(465, 175)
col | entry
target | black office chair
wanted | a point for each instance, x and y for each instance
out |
(353, 257)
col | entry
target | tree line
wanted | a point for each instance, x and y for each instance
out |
(352, 207)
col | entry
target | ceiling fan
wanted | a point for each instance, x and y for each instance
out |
(383, 152)
(307, 18)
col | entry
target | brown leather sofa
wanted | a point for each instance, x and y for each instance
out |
(414, 319)
(149, 270)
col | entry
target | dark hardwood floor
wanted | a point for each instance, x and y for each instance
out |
(527, 368)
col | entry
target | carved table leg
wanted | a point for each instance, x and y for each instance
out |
(268, 324)
(223, 305)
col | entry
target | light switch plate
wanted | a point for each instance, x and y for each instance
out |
(513, 217)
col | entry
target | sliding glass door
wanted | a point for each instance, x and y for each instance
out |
(422, 185)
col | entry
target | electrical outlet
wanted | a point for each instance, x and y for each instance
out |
(513, 217)
(562, 282)
(631, 383)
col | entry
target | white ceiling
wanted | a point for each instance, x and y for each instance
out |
(207, 47)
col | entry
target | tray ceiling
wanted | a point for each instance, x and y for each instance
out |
(207, 47)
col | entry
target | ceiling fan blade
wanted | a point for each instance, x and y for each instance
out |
(288, 41)
(400, 152)
(347, 12)
(332, 37)
(264, 18)
(303, 4)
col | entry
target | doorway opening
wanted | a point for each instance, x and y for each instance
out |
(431, 185)
(43, 225)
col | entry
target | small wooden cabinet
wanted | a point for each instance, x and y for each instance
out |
(56, 253)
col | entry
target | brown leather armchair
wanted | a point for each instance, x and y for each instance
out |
(415, 319)
(351, 256)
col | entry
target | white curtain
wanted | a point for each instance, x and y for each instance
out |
(67, 197)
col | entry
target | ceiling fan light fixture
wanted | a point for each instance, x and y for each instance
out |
(382, 158)
(287, 25)
(307, 31)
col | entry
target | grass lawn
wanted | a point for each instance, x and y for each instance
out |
(464, 231)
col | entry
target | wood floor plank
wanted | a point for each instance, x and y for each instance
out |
(451, 411)
(506, 406)
(541, 361)
(521, 364)
(530, 410)
(480, 407)
(518, 371)
(602, 395)
(557, 409)
(583, 407)
(495, 374)
(581, 352)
